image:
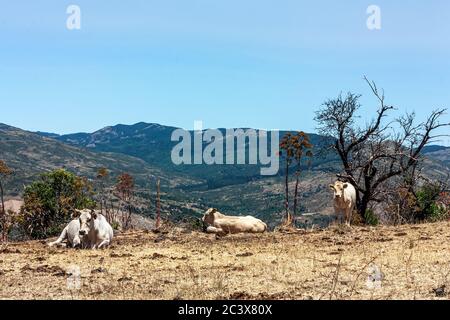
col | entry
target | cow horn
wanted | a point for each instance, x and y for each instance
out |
(76, 213)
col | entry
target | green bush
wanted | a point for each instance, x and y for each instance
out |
(437, 213)
(371, 218)
(115, 225)
(49, 202)
(426, 199)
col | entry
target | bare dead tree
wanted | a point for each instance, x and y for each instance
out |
(111, 211)
(102, 175)
(302, 147)
(383, 150)
(287, 150)
(125, 189)
(294, 147)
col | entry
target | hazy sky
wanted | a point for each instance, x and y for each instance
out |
(265, 64)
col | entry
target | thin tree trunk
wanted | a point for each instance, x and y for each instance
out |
(124, 214)
(158, 205)
(115, 211)
(362, 207)
(129, 215)
(3, 212)
(297, 180)
(102, 199)
(287, 191)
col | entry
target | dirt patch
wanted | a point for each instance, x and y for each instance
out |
(124, 255)
(260, 296)
(99, 270)
(124, 279)
(55, 270)
(8, 250)
(400, 234)
(245, 254)
(156, 256)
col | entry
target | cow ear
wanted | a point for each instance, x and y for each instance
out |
(345, 185)
(214, 210)
(332, 186)
(76, 214)
(93, 214)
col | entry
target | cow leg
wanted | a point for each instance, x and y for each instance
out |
(337, 214)
(350, 213)
(217, 231)
(214, 230)
(348, 216)
(61, 238)
(76, 242)
(85, 244)
(103, 244)
(341, 215)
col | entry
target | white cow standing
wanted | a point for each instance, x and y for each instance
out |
(344, 200)
(89, 229)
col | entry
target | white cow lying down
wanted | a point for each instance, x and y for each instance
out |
(71, 233)
(221, 224)
(89, 229)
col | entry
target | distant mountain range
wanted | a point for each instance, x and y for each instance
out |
(152, 143)
(144, 150)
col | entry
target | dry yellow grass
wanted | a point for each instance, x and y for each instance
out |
(414, 263)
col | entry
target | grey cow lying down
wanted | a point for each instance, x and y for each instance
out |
(221, 224)
(88, 230)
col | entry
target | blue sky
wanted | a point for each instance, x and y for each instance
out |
(265, 64)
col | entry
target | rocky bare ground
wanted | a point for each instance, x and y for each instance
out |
(407, 262)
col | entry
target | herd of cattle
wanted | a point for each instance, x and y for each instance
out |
(89, 229)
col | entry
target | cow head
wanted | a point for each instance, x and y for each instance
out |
(209, 216)
(338, 188)
(87, 220)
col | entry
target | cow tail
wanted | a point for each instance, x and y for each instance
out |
(61, 238)
(63, 235)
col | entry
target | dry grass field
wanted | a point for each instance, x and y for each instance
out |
(408, 262)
